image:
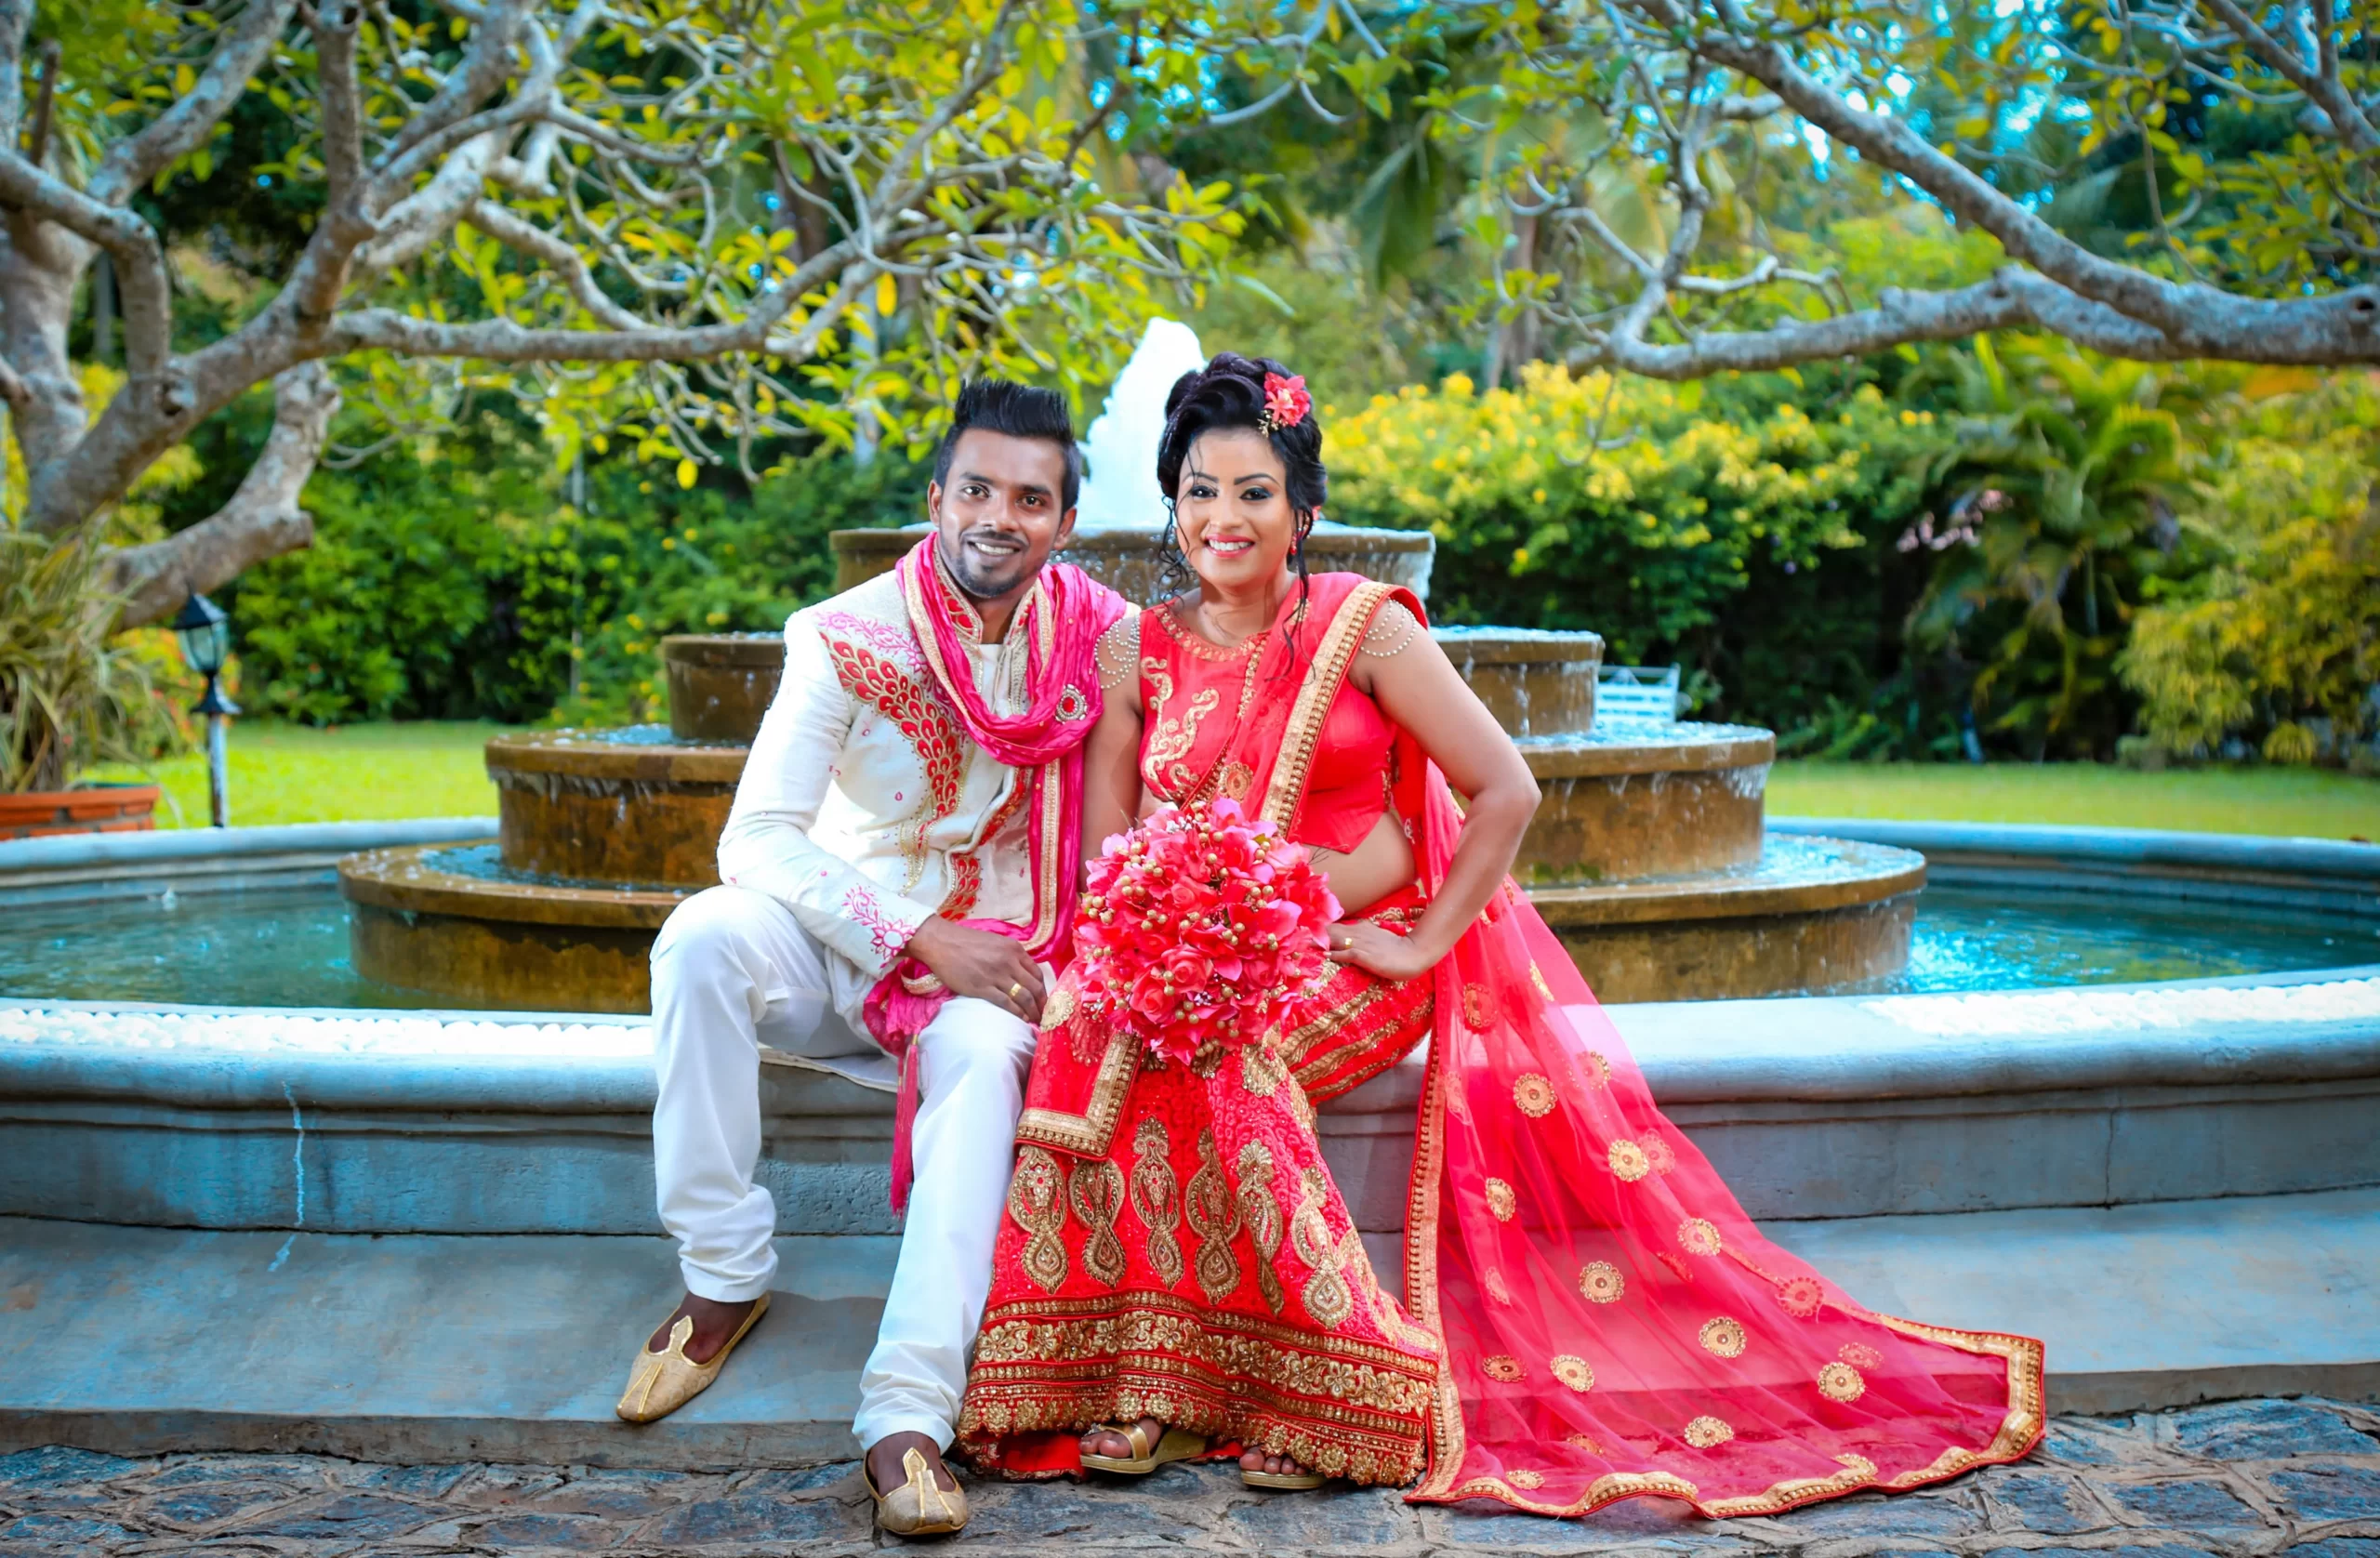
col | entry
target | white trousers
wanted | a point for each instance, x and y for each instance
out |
(732, 968)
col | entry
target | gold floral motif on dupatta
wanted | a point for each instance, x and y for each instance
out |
(1573, 1371)
(1708, 1433)
(1501, 1199)
(1327, 1297)
(1213, 1211)
(1261, 1215)
(1840, 1381)
(1035, 1201)
(1156, 1197)
(1723, 1336)
(1096, 1190)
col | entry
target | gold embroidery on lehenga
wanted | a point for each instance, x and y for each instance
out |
(1722, 1336)
(1699, 1235)
(1034, 1199)
(1156, 1197)
(1058, 1007)
(1260, 1213)
(1096, 1190)
(1628, 1160)
(1262, 1070)
(1840, 1381)
(1327, 1296)
(1502, 1201)
(1533, 1096)
(1214, 1216)
(1573, 1371)
(1708, 1433)
(1601, 1282)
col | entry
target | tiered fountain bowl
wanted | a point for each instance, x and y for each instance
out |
(1648, 856)
(600, 833)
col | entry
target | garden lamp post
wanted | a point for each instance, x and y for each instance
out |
(206, 636)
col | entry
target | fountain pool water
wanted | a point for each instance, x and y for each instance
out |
(289, 946)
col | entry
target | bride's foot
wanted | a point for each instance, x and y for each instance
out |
(1271, 1465)
(1111, 1443)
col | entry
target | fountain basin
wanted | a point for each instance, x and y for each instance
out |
(1807, 914)
(1537, 683)
(720, 683)
(456, 922)
(630, 806)
(1644, 800)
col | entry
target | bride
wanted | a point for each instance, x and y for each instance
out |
(1587, 1315)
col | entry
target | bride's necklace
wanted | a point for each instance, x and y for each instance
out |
(1215, 632)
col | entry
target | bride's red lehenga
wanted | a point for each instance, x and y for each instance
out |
(1588, 1314)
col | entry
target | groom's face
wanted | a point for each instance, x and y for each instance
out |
(1002, 514)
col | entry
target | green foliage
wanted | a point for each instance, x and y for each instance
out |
(69, 697)
(2063, 501)
(2279, 646)
(1324, 323)
(1623, 509)
(460, 582)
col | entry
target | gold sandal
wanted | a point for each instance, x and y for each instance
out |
(920, 1507)
(1283, 1482)
(1177, 1445)
(661, 1382)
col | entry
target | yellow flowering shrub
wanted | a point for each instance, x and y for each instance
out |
(2278, 649)
(1621, 507)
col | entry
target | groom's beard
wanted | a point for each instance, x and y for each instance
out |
(989, 562)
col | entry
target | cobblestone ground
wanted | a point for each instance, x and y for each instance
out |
(2237, 1479)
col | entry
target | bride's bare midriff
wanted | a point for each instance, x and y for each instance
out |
(1382, 865)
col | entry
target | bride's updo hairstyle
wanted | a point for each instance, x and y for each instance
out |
(1226, 395)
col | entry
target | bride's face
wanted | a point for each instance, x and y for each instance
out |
(1232, 511)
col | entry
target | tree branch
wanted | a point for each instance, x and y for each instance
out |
(185, 126)
(2347, 116)
(2199, 321)
(140, 259)
(2015, 298)
(262, 519)
(566, 259)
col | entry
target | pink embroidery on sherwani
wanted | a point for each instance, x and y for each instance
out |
(884, 934)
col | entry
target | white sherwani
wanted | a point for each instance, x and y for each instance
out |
(864, 808)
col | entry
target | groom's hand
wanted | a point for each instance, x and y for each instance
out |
(980, 963)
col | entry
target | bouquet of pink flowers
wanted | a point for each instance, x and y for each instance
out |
(1201, 927)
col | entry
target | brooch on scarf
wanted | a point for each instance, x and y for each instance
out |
(1286, 402)
(1072, 705)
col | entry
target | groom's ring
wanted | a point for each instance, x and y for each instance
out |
(1016, 991)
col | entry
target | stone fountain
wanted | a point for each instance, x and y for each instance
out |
(1649, 855)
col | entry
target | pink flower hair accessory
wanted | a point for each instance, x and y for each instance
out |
(1286, 402)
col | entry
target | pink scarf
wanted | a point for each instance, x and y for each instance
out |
(1061, 618)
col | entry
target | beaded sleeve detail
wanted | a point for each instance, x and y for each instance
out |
(1118, 652)
(1393, 630)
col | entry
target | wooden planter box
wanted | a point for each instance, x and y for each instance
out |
(94, 808)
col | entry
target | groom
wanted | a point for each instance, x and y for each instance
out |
(899, 861)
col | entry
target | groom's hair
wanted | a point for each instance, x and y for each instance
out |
(1019, 410)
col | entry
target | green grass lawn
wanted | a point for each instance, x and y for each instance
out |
(291, 773)
(2316, 803)
(295, 773)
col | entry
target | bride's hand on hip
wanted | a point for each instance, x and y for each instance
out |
(1376, 951)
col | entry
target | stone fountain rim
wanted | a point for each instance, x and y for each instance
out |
(396, 881)
(674, 762)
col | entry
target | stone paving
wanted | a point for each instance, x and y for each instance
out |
(2237, 1479)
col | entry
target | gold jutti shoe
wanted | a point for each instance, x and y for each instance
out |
(920, 1507)
(661, 1382)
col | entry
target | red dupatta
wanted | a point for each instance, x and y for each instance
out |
(1613, 1324)
(1061, 617)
